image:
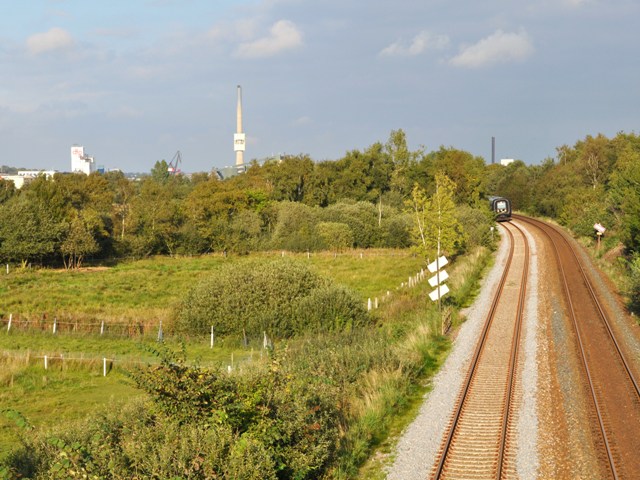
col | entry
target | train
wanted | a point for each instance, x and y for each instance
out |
(501, 207)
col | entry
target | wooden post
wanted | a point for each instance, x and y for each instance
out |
(9, 325)
(212, 337)
(102, 327)
(46, 366)
(55, 324)
(104, 367)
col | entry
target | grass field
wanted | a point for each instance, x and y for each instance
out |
(143, 291)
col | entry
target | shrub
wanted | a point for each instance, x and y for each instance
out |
(280, 297)
(331, 309)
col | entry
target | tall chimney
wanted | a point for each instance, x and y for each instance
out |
(493, 150)
(239, 136)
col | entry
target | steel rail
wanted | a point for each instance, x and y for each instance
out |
(448, 440)
(542, 226)
(514, 352)
(602, 313)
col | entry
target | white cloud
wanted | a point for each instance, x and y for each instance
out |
(54, 39)
(283, 35)
(422, 42)
(498, 47)
(301, 121)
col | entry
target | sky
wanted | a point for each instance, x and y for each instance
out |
(135, 81)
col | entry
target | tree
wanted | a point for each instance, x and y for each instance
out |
(295, 227)
(624, 197)
(28, 231)
(436, 228)
(402, 160)
(160, 171)
(7, 190)
(79, 243)
(336, 236)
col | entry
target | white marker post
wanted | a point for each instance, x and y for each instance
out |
(599, 232)
(438, 278)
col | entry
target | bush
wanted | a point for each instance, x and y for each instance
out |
(280, 297)
(331, 309)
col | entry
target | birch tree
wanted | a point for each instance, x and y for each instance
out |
(436, 228)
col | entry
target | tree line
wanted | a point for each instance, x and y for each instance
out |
(364, 199)
(358, 201)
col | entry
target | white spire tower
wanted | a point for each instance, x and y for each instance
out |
(239, 137)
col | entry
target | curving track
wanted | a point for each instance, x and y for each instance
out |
(477, 443)
(609, 379)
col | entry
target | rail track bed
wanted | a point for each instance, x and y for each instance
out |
(477, 442)
(608, 379)
(542, 378)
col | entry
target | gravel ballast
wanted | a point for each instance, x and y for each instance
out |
(419, 443)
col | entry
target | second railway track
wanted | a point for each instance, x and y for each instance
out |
(609, 380)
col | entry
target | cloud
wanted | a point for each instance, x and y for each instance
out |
(301, 121)
(422, 42)
(499, 47)
(54, 39)
(283, 35)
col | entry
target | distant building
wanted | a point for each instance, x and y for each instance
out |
(506, 161)
(18, 180)
(35, 173)
(81, 163)
(24, 177)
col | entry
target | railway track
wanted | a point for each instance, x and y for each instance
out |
(477, 443)
(608, 378)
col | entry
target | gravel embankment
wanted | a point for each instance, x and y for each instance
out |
(419, 443)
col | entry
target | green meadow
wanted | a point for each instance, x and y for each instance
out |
(144, 291)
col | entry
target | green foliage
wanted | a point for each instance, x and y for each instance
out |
(295, 227)
(333, 308)
(19, 419)
(255, 296)
(436, 228)
(476, 223)
(316, 410)
(7, 190)
(336, 236)
(362, 219)
(28, 231)
(203, 423)
(633, 292)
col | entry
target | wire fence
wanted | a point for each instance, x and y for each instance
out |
(106, 364)
(133, 329)
(55, 325)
